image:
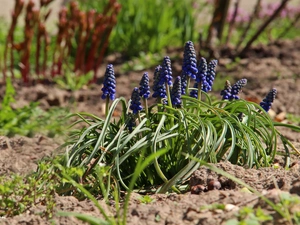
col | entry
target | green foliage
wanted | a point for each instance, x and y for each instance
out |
(29, 119)
(293, 118)
(149, 26)
(237, 131)
(248, 215)
(146, 199)
(142, 62)
(18, 194)
(72, 81)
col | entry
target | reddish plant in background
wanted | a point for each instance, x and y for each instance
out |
(82, 40)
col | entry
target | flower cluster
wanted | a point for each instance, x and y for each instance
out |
(109, 83)
(226, 92)
(159, 89)
(166, 72)
(202, 72)
(135, 104)
(236, 88)
(144, 86)
(230, 93)
(268, 100)
(210, 77)
(176, 92)
(189, 66)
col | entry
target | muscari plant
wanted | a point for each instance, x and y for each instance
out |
(182, 123)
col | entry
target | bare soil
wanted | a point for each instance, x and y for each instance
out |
(276, 65)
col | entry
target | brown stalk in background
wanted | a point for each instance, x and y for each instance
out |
(218, 21)
(10, 38)
(263, 27)
(232, 22)
(253, 16)
(31, 19)
(287, 29)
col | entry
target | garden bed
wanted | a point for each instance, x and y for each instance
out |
(276, 65)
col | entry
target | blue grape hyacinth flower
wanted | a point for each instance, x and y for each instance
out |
(210, 77)
(202, 72)
(268, 100)
(144, 86)
(135, 104)
(166, 72)
(159, 89)
(109, 83)
(176, 92)
(189, 66)
(226, 92)
(236, 88)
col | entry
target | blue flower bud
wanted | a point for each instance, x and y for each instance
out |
(166, 72)
(226, 92)
(135, 104)
(268, 100)
(109, 83)
(189, 66)
(144, 86)
(236, 88)
(176, 92)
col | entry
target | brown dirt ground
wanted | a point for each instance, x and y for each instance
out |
(276, 65)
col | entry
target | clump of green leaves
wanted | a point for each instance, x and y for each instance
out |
(231, 129)
(29, 119)
(71, 81)
(150, 26)
(19, 193)
(248, 215)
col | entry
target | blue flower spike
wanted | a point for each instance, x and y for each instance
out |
(236, 88)
(135, 104)
(145, 90)
(166, 72)
(202, 72)
(144, 86)
(159, 90)
(268, 100)
(189, 66)
(109, 83)
(226, 92)
(210, 77)
(176, 92)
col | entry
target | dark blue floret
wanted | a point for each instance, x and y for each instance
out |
(166, 72)
(226, 92)
(176, 92)
(210, 77)
(144, 86)
(202, 71)
(159, 90)
(135, 104)
(189, 66)
(109, 83)
(194, 92)
(236, 88)
(268, 100)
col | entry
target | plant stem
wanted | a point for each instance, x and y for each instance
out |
(107, 106)
(168, 95)
(199, 90)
